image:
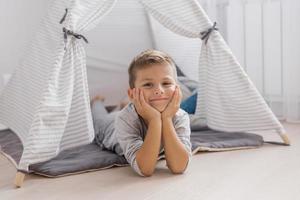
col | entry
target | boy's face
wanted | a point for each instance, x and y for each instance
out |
(157, 83)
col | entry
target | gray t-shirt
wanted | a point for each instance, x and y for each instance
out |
(130, 132)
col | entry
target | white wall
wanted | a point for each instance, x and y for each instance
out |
(264, 35)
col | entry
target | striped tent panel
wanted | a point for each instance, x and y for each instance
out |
(231, 101)
(228, 100)
(22, 94)
(47, 102)
(67, 93)
(96, 10)
(185, 18)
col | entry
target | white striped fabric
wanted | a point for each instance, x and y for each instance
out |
(227, 99)
(46, 101)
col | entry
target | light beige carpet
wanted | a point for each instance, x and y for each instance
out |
(270, 172)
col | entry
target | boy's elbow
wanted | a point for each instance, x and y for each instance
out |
(147, 173)
(145, 168)
(177, 171)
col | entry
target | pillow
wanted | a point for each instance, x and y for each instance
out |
(187, 86)
(179, 72)
(190, 84)
(185, 91)
(189, 104)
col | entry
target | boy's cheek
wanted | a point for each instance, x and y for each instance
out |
(146, 98)
(173, 88)
(130, 94)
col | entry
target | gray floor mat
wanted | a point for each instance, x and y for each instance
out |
(90, 157)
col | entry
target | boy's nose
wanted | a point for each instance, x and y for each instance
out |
(159, 90)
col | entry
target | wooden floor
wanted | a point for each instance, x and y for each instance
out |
(270, 172)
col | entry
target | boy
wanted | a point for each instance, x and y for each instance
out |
(152, 123)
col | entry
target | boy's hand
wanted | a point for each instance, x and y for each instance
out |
(173, 105)
(147, 112)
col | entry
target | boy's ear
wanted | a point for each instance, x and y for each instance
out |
(129, 93)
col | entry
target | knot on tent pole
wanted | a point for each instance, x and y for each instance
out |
(69, 32)
(205, 34)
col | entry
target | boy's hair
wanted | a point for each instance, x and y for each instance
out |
(146, 59)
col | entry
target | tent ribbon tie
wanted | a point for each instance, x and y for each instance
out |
(205, 34)
(69, 32)
(64, 17)
(77, 36)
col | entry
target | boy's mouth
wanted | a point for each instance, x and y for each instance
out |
(158, 99)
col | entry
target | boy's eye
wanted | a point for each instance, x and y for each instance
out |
(167, 83)
(147, 85)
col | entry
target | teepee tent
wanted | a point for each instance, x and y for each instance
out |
(46, 102)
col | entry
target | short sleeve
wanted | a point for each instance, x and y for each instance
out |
(127, 133)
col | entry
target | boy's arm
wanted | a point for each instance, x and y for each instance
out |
(176, 153)
(146, 156)
(177, 156)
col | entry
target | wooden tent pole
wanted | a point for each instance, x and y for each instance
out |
(285, 139)
(19, 179)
